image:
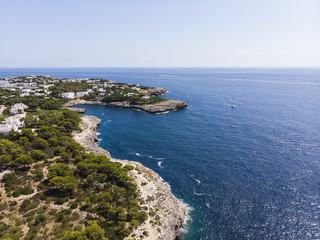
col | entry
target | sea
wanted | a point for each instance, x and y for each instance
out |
(244, 156)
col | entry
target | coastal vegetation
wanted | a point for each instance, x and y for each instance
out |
(131, 96)
(54, 189)
(61, 87)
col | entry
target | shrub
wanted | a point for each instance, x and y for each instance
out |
(74, 205)
(26, 205)
(27, 190)
(16, 193)
(40, 219)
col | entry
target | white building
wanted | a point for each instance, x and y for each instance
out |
(135, 88)
(18, 108)
(69, 95)
(26, 90)
(146, 98)
(101, 90)
(4, 84)
(12, 123)
(81, 94)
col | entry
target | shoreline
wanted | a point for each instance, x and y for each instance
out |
(161, 107)
(169, 213)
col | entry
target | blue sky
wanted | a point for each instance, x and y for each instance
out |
(166, 33)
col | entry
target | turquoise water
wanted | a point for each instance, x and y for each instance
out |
(248, 172)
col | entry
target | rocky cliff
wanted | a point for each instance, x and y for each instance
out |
(166, 213)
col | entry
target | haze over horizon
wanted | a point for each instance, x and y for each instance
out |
(283, 33)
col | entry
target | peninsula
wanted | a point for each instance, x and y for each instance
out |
(56, 183)
(76, 91)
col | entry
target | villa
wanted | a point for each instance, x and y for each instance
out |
(18, 108)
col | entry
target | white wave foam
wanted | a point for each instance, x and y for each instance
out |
(138, 154)
(164, 112)
(166, 183)
(98, 133)
(188, 217)
(164, 93)
(191, 175)
(208, 205)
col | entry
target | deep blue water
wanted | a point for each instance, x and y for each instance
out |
(249, 172)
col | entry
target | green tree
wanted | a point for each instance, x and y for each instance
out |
(23, 160)
(53, 104)
(40, 143)
(94, 231)
(59, 170)
(74, 236)
(38, 155)
(64, 184)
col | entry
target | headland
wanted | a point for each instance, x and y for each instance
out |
(161, 107)
(168, 213)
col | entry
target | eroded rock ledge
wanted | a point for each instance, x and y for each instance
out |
(161, 107)
(170, 213)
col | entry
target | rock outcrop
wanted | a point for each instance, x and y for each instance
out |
(155, 91)
(168, 213)
(79, 110)
(161, 107)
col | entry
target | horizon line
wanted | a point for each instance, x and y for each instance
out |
(182, 67)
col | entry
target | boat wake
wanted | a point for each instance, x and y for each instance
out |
(198, 181)
(198, 194)
(151, 157)
(160, 164)
(106, 122)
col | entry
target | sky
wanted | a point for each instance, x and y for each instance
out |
(166, 33)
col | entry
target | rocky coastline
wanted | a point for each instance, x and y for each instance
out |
(170, 213)
(155, 91)
(161, 107)
(78, 110)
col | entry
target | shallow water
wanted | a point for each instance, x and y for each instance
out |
(248, 172)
